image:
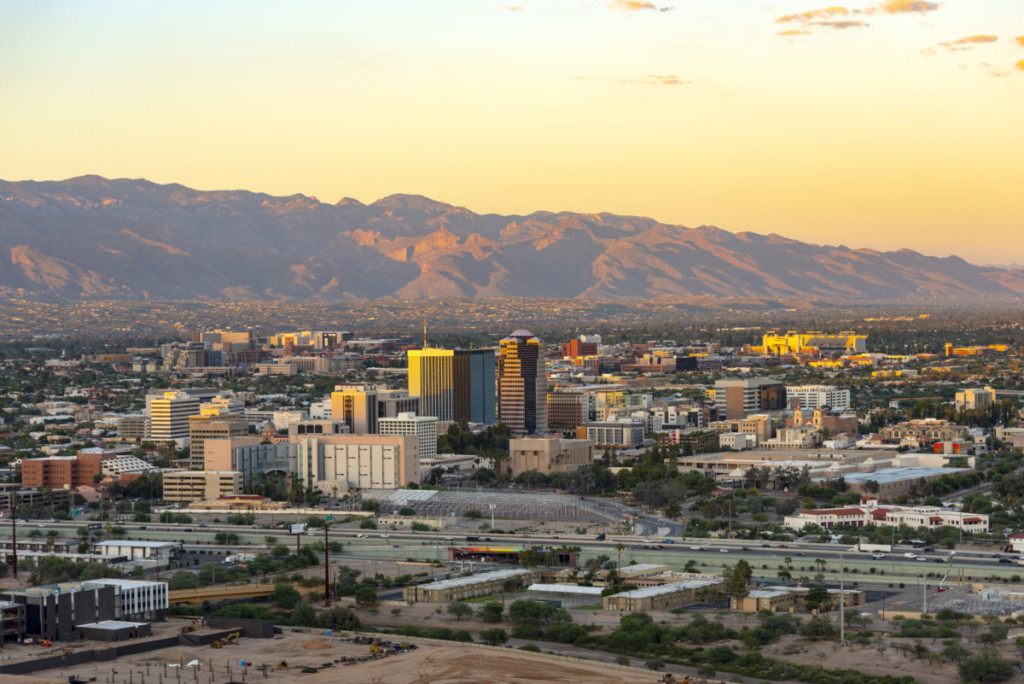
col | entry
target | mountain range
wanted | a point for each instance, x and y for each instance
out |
(90, 237)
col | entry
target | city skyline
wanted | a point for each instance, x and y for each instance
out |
(883, 125)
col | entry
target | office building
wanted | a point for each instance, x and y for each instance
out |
(340, 463)
(522, 384)
(360, 406)
(168, 417)
(131, 428)
(567, 410)
(61, 472)
(212, 423)
(424, 428)
(188, 486)
(549, 455)
(810, 397)
(454, 384)
(615, 434)
(578, 349)
(740, 398)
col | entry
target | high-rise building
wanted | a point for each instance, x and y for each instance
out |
(740, 398)
(810, 397)
(522, 384)
(567, 410)
(168, 416)
(473, 379)
(423, 427)
(454, 384)
(431, 379)
(360, 406)
(212, 423)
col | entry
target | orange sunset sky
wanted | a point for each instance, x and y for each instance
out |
(888, 124)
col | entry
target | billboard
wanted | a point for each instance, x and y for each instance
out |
(298, 528)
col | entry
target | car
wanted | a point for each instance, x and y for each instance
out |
(362, 536)
(723, 550)
(1005, 560)
(670, 541)
(783, 546)
(941, 560)
(800, 553)
(928, 549)
(487, 539)
(697, 548)
(765, 546)
(660, 546)
(921, 559)
(877, 556)
(744, 548)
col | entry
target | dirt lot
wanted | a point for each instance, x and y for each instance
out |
(434, 664)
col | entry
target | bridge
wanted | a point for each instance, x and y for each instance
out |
(230, 591)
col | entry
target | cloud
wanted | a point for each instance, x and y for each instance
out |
(631, 5)
(793, 32)
(904, 6)
(636, 6)
(840, 24)
(1020, 65)
(967, 43)
(511, 8)
(655, 79)
(826, 13)
(1019, 40)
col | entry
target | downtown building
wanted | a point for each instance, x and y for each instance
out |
(522, 384)
(454, 384)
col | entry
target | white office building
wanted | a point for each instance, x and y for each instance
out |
(423, 427)
(818, 396)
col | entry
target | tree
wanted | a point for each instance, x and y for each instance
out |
(366, 597)
(672, 509)
(986, 667)
(285, 595)
(304, 615)
(736, 579)
(460, 609)
(494, 636)
(491, 611)
(818, 627)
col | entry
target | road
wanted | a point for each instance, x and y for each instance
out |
(709, 555)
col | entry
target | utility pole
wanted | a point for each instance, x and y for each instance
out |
(14, 540)
(924, 594)
(842, 604)
(327, 564)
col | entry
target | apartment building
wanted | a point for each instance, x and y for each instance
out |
(189, 486)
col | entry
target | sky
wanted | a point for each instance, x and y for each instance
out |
(887, 124)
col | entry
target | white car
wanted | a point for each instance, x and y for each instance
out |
(697, 548)
(723, 550)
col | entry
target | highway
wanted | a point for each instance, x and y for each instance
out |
(708, 554)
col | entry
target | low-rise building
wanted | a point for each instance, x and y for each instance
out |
(549, 454)
(186, 486)
(871, 513)
(473, 586)
(660, 597)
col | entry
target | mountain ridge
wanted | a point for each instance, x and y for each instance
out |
(93, 237)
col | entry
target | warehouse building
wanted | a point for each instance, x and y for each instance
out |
(660, 597)
(473, 586)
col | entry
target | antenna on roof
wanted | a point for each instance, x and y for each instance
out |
(424, 332)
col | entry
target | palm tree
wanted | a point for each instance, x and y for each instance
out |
(620, 547)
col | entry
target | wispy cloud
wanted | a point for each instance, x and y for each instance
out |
(904, 6)
(656, 79)
(637, 6)
(511, 8)
(1020, 65)
(809, 15)
(839, 23)
(793, 32)
(968, 43)
(1019, 40)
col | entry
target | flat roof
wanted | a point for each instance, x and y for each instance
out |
(138, 544)
(125, 583)
(566, 589)
(660, 589)
(766, 593)
(476, 579)
(900, 473)
(641, 568)
(112, 624)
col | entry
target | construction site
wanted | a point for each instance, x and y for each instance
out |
(198, 654)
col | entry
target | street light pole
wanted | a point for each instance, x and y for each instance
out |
(842, 604)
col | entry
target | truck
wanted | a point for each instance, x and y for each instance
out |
(908, 554)
(872, 548)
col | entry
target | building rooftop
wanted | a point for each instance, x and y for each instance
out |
(138, 543)
(566, 589)
(476, 579)
(641, 569)
(900, 473)
(767, 593)
(112, 624)
(660, 589)
(124, 583)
